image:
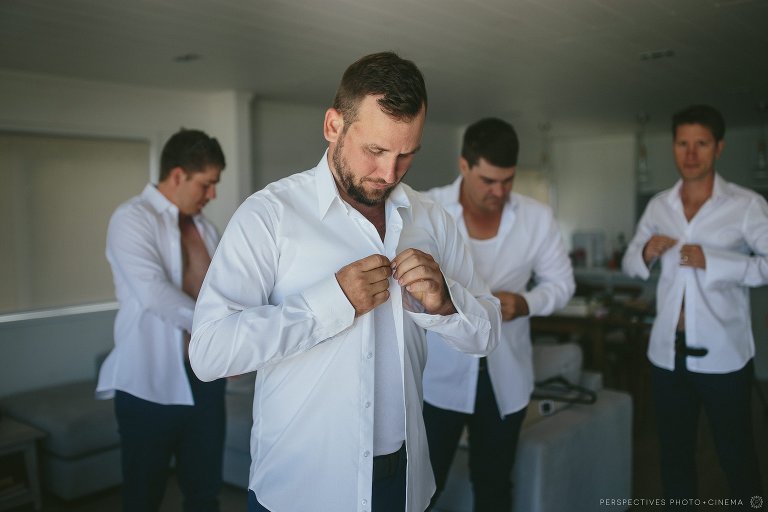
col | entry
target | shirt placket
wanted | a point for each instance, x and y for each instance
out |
(367, 368)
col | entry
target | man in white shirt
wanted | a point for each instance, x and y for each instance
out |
(512, 239)
(711, 239)
(325, 282)
(159, 246)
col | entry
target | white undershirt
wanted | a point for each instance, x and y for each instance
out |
(389, 406)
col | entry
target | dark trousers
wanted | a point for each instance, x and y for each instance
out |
(387, 492)
(492, 447)
(679, 396)
(151, 434)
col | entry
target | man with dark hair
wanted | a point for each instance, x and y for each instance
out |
(325, 282)
(512, 239)
(711, 239)
(159, 246)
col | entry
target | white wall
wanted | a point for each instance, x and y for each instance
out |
(594, 182)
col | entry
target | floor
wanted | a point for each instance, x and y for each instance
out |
(645, 482)
(232, 499)
(712, 482)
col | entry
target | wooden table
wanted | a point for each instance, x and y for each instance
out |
(17, 437)
(590, 330)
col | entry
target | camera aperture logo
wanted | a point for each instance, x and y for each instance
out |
(756, 502)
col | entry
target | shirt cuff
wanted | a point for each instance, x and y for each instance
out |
(724, 267)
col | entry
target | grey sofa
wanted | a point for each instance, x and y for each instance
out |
(81, 451)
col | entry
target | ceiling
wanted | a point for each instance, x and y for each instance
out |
(577, 64)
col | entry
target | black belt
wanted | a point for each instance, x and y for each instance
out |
(483, 364)
(681, 349)
(384, 466)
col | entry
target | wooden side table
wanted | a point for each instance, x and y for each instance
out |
(18, 437)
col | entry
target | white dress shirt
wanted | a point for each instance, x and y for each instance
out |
(144, 251)
(732, 229)
(527, 244)
(271, 302)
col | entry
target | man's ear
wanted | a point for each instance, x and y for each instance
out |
(463, 166)
(719, 148)
(177, 175)
(333, 126)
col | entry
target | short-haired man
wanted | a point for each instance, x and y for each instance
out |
(159, 246)
(512, 239)
(711, 239)
(325, 282)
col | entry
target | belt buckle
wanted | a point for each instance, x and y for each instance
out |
(682, 349)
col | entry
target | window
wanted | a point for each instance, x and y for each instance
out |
(56, 197)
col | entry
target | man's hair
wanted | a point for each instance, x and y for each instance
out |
(192, 150)
(493, 140)
(398, 81)
(704, 115)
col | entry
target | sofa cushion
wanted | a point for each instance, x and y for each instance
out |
(557, 359)
(76, 423)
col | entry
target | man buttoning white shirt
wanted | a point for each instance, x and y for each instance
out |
(325, 282)
(512, 239)
(710, 238)
(159, 246)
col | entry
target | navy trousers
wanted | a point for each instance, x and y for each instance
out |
(151, 434)
(387, 494)
(679, 396)
(492, 447)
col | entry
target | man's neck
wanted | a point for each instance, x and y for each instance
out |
(481, 224)
(695, 192)
(376, 214)
(699, 189)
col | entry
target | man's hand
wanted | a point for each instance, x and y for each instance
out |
(692, 256)
(365, 282)
(419, 273)
(513, 305)
(656, 246)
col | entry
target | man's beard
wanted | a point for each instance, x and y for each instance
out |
(347, 179)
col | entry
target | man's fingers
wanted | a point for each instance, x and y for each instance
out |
(371, 262)
(423, 286)
(418, 274)
(380, 298)
(378, 274)
(412, 260)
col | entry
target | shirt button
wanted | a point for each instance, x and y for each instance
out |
(369, 355)
(367, 404)
(365, 502)
(366, 453)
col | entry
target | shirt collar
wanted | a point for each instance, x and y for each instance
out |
(328, 192)
(719, 190)
(157, 200)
